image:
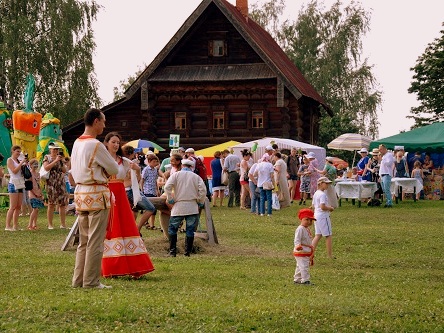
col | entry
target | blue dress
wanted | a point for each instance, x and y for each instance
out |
(361, 166)
(216, 170)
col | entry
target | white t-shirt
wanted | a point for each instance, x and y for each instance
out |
(264, 172)
(320, 197)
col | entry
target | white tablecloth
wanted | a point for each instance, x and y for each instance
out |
(355, 190)
(408, 185)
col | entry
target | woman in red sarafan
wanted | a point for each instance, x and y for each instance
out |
(124, 251)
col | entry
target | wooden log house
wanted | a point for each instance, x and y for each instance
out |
(221, 77)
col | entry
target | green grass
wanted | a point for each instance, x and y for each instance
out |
(388, 277)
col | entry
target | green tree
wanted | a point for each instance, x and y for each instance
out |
(53, 40)
(326, 46)
(119, 91)
(428, 84)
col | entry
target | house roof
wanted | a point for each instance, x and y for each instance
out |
(260, 40)
(192, 73)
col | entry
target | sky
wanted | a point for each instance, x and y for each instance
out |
(129, 35)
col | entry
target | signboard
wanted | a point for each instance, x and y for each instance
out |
(174, 140)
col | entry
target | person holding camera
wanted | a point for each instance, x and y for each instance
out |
(16, 187)
(55, 184)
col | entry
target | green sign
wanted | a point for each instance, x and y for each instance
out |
(174, 140)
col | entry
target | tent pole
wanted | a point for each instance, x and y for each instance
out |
(354, 157)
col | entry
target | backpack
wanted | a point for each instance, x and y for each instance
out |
(374, 203)
(199, 168)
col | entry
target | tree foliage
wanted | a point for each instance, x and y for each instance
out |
(53, 40)
(119, 91)
(428, 84)
(326, 45)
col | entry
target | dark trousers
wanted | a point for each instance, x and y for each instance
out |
(234, 188)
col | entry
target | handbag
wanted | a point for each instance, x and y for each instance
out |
(224, 178)
(268, 186)
(19, 183)
(28, 185)
(44, 174)
(26, 172)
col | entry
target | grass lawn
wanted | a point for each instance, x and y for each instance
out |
(388, 277)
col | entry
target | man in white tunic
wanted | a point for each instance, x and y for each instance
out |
(185, 192)
(91, 165)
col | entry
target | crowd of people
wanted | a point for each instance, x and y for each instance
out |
(385, 165)
(113, 183)
(257, 186)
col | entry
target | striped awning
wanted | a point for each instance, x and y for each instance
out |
(350, 141)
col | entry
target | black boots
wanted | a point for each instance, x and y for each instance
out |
(188, 245)
(173, 241)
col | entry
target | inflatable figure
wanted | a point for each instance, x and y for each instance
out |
(5, 132)
(254, 147)
(27, 122)
(49, 132)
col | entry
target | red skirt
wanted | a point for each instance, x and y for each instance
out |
(124, 250)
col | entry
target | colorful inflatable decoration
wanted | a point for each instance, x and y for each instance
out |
(27, 122)
(254, 147)
(49, 132)
(5, 132)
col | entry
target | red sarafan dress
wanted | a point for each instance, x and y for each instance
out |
(124, 250)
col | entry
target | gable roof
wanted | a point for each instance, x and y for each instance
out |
(259, 39)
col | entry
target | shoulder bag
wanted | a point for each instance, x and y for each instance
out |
(44, 174)
(268, 186)
(19, 183)
(224, 178)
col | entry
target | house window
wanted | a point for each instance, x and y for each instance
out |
(217, 48)
(180, 120)
(218, 120)
(257, 119)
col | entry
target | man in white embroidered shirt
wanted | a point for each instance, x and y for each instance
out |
(91, 165)
(186, 193)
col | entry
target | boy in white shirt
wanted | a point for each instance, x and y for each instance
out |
(322, 211)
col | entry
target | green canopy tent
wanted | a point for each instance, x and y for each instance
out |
(429, 138)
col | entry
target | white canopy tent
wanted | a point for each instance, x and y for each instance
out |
(282, 144)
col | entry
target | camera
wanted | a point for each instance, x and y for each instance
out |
(26, 156)
(141, 159)
(61, 153)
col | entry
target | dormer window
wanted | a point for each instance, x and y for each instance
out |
(217, 48)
